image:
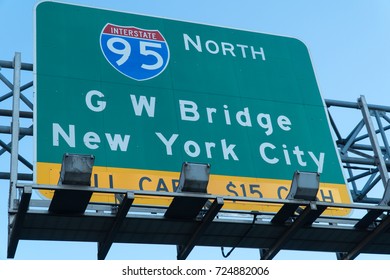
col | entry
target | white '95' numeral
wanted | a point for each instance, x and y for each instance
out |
(145, 49)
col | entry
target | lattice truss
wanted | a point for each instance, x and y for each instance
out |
(361, 132)
(12, 81)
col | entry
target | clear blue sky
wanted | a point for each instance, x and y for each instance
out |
(349, 43)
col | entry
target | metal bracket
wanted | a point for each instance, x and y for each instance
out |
(15, 228)
(185, 250)
(104, 247)
(306, 218)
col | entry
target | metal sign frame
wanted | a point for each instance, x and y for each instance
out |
(364, 234)
(243, 132)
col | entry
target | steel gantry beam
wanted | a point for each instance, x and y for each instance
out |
(11, 98)
(364, 152)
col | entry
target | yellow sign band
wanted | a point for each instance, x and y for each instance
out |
(164, 181)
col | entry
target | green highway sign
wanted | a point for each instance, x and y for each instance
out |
(144, 94)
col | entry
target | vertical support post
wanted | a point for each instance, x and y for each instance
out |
(380, 162)
(382, 131)
(15, 131)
